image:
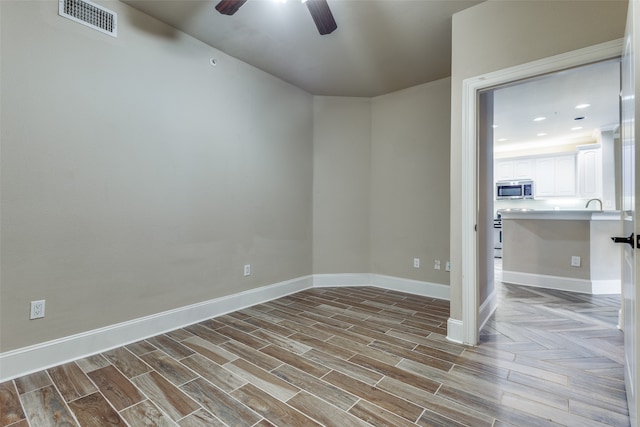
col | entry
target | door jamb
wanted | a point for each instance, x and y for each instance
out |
(470, 89)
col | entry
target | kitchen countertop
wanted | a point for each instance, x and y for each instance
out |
(574, 215)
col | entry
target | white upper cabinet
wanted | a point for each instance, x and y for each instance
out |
(524, 168)
(555, 176)
(509, 170)
(590, 172)
(545, 184)
(504, 170)
(565, 168)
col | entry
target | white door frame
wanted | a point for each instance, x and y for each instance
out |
(470, 89)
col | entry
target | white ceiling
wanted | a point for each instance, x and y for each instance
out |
(380, 46)
(555, 97)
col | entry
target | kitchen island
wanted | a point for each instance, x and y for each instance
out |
(562, 249)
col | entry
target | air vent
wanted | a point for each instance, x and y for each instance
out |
(91, 15)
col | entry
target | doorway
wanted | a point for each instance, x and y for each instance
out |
(471, 303)
(555, 155)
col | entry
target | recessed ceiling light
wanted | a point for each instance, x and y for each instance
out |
(502, 140)
(494, 126)
(581, 106)
(539, 119)
(542, 134)
(576, 128)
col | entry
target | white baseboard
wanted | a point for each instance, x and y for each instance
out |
(416, 287)
(562, 283)
(604, 287)
(455, 331)
(342, 280)
(487, 308)
(37, 357)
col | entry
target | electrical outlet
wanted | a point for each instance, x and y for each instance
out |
(575, 261)
(447, 266)
(436, 264)
(247, 269)
(416, 263)
(37, 309)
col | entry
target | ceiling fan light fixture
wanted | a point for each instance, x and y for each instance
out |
(229, 7)
(319, 10)
(322, 16)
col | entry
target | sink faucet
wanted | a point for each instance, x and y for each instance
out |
(597, 200)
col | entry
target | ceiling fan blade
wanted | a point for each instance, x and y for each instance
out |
(229, 7)
(322, 16)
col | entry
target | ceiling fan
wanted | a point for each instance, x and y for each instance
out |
(319, 10)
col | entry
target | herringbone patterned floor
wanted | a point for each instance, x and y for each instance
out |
(573, 347)
(349, 357)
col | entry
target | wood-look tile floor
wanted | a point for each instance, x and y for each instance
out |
(348, 357)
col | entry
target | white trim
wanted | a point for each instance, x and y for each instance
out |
(415, 287)
(560, 283)
(455, 330)
(545, 281)
(470, 88)
(37, 357)
(340, 280)
(34, 358)
(606, 287)
(487, 308)
(469, 211)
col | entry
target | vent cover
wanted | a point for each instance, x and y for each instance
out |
(91, 15)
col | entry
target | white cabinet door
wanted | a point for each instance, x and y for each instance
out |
(590, 173)
(505, 170)
(511, 170)
(523, 168)
(545, 177)
(555, 176)
(565, 167)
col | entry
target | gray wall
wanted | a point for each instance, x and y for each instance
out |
(136, 178)
(409, 182)
(341, 184)
(381, 170)
(495, 35)
(546, 247)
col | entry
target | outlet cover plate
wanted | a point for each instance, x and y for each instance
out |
(37, 309)
(247, 270)
(575, 261)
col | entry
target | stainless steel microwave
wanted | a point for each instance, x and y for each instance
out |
(522, 189)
